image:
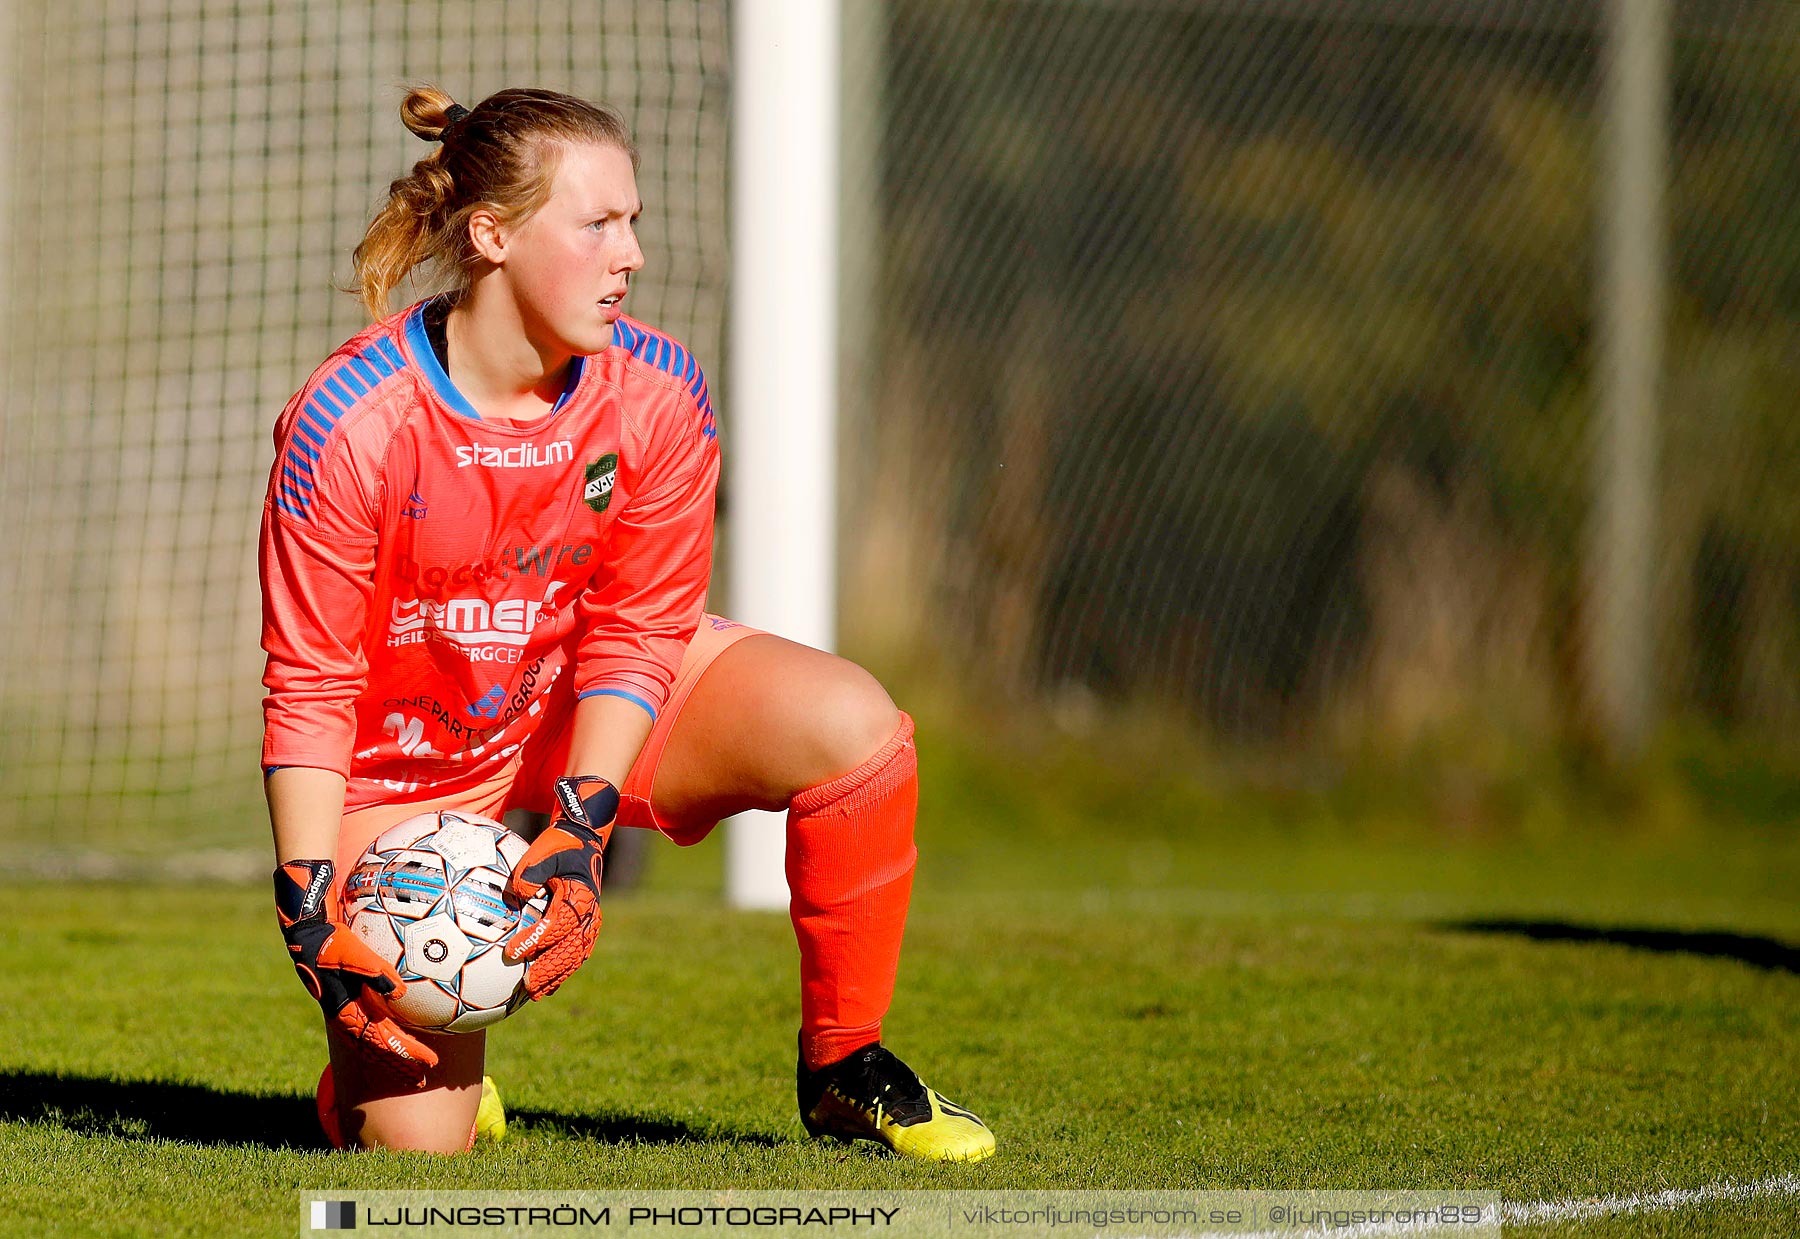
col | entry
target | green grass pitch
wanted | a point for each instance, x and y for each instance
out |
(1130, 1001)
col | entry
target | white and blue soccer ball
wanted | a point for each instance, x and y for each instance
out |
(428, 897)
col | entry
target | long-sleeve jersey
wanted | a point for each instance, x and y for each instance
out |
(428, 576)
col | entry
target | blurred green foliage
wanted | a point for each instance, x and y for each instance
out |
(1241, 359)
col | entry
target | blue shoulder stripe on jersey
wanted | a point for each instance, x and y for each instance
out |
(348, 392)
(333, 396)
(370, 375)
(671, 357)
(315, 425)
(330, 400)
(315, 413)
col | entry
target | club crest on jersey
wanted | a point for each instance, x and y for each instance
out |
(597, 493)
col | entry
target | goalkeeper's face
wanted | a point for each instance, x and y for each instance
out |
(569, 265)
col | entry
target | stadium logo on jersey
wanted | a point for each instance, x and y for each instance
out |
(524, 456)
(598, 491)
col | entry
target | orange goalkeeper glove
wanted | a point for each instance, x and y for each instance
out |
(337, 969)
(565, 860)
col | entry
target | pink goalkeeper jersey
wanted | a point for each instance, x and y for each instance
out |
(428, 576)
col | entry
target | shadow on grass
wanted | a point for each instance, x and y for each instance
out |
(621, 1129)
(1758, 952)
(149, 1110)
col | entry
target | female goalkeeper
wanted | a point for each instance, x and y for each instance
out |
(484, 553)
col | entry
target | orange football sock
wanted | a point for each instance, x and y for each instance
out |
(850, 860)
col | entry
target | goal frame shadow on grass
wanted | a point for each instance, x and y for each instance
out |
(1769, 954)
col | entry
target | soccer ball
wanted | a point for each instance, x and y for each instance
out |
(428, 897)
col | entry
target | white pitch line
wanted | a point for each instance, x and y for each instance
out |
(1518, 1212)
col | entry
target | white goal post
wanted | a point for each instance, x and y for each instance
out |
(782, 455)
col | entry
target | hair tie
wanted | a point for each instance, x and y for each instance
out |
(452, 115)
